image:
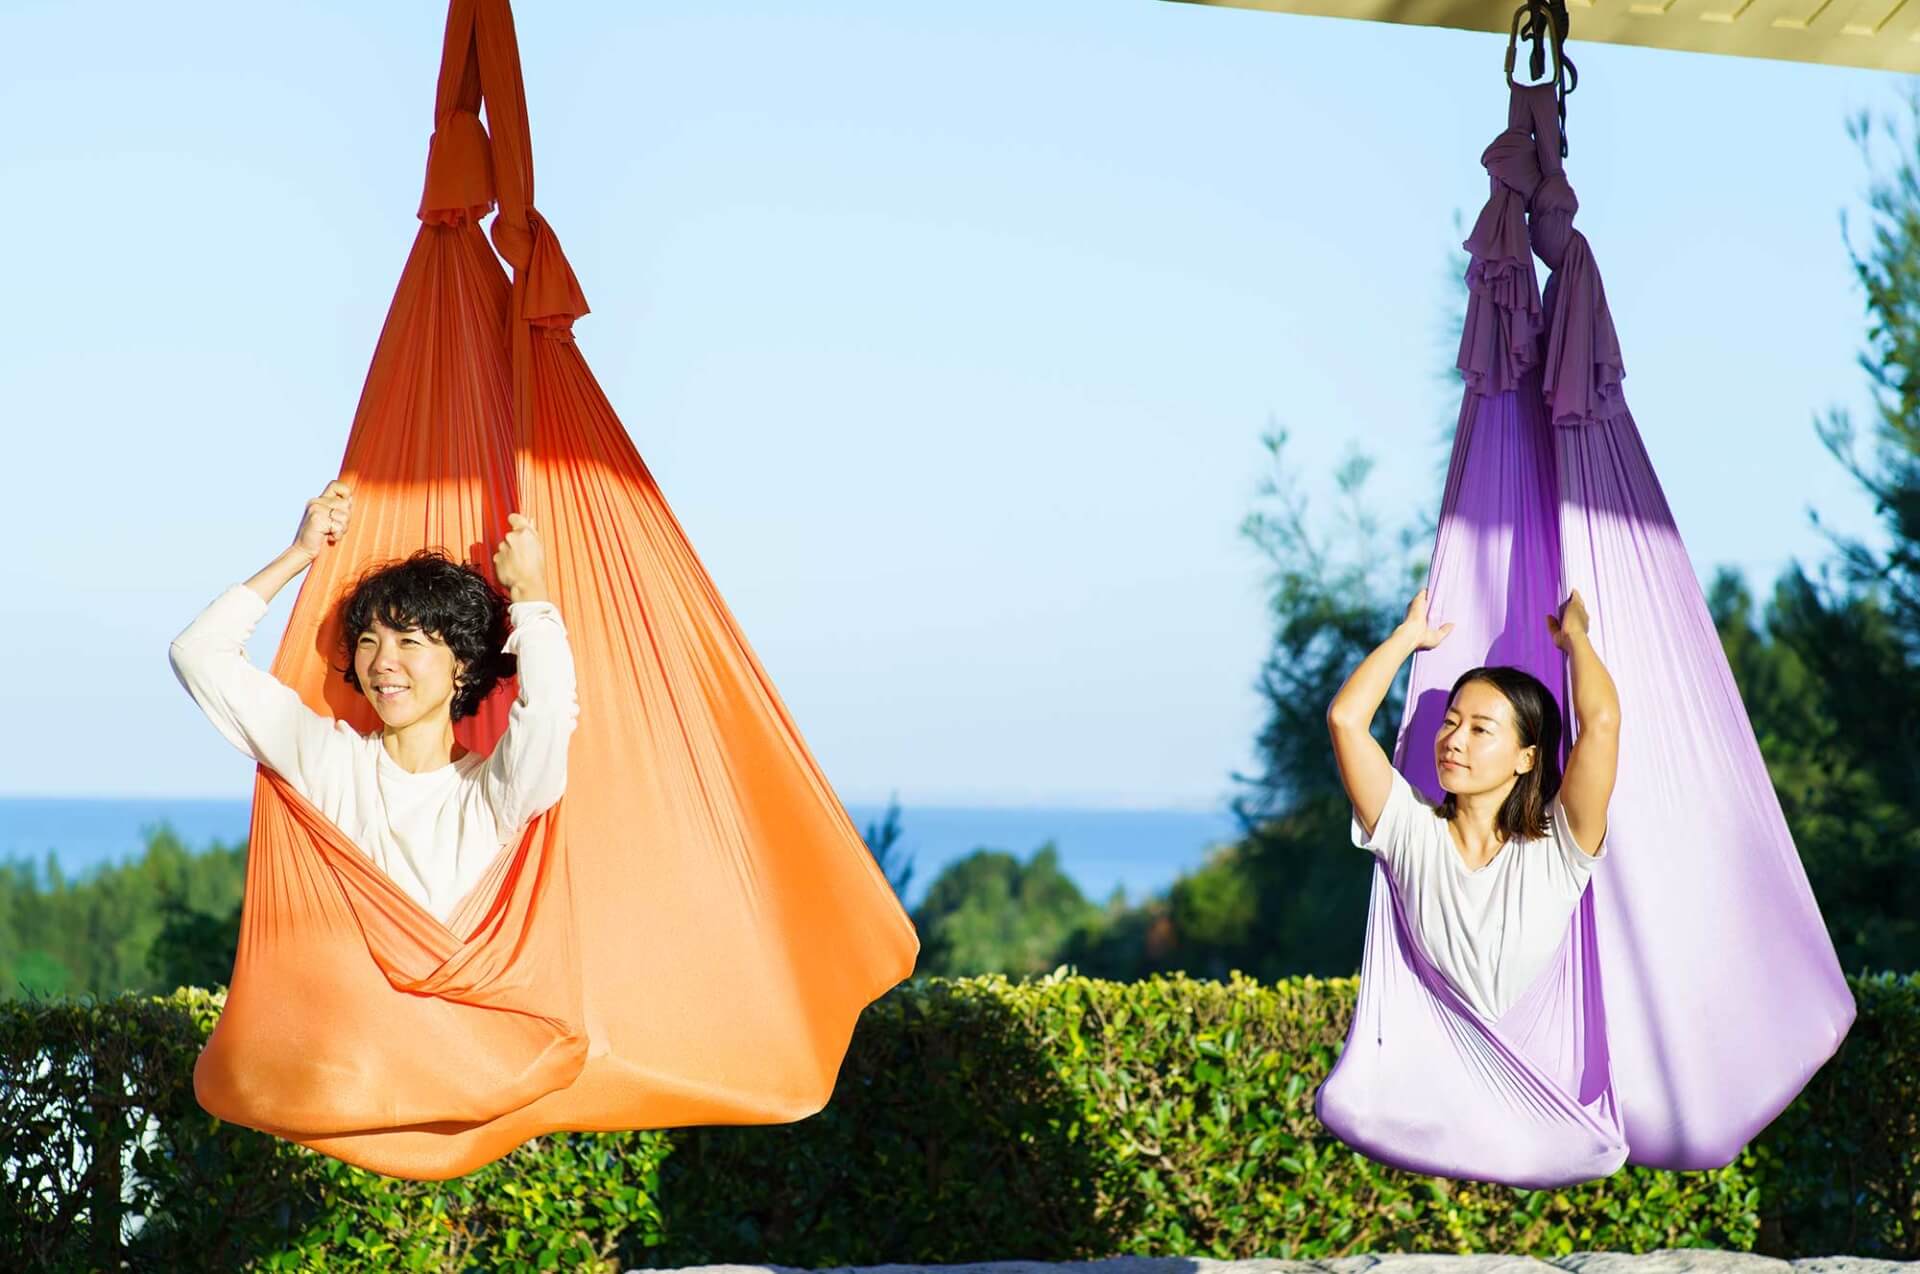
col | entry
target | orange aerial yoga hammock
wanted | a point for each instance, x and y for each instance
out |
(690, 935)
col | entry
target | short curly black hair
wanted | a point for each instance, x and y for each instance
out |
(447, 599)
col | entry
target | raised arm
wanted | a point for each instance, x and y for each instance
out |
(1365, 769)
(324, 522)
(527, 772)
(258, 714)
(1587, 786)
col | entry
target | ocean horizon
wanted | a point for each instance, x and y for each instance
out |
(1139, 851)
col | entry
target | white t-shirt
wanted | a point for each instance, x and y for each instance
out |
(434, 833)
(1489, 932)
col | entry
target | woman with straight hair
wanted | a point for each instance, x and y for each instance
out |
(1490, 875)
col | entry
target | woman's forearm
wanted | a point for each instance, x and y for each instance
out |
(533, 590)
(1366, 689)
(275, 575)
(1596, 702)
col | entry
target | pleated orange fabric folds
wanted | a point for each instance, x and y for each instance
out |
(690, 935)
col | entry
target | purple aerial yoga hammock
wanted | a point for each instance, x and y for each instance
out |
(1697, 990)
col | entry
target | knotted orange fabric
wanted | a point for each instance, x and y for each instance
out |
(690, 935)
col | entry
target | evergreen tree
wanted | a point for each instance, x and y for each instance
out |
(991, 913)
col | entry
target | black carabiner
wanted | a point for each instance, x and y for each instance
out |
(1545, 23)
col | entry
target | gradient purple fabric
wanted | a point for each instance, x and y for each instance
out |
(1697, 990)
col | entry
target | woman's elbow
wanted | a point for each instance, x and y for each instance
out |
(1603, 720)
(1343, 719)
(184, 658)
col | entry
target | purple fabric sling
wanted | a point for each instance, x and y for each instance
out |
(1697, 990)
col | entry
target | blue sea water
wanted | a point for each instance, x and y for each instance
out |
(1140, 851)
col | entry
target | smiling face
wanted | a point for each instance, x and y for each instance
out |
(1478, 748)
(406, 674)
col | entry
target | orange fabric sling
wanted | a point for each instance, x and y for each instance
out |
(690, 935)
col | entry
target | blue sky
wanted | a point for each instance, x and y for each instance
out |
(949, 328)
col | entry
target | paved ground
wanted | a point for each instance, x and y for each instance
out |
(1674, 1262)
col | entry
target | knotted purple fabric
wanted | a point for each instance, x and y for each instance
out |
(1697, 990)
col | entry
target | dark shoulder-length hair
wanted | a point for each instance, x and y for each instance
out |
(437, 595)
(1536, 713)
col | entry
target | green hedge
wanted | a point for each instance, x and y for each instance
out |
(974, 1119)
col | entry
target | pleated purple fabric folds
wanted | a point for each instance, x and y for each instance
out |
(1697, 990)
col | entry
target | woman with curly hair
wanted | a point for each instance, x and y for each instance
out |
(425, 641)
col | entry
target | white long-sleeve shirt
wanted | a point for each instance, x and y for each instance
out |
(436, 832)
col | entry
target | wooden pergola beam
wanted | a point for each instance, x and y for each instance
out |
(1882, 35)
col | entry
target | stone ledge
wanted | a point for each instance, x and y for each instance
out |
(1678, 1261)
